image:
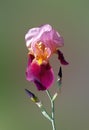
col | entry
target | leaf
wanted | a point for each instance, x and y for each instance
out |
(54, 97)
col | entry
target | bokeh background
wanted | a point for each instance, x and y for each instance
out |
(71, 19)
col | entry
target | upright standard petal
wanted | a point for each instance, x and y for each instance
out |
(45, 34)
(52, 39)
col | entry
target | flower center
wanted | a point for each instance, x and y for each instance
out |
(42, 53)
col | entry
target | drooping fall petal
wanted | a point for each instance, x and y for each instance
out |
(61, 58)
(42, 75)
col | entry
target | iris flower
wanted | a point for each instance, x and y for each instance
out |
(42, 42)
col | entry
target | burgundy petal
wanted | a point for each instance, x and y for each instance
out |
(61, 58)
(30, 58)
(39, 85)
(46, 75)
(42, 75)
(32, 71)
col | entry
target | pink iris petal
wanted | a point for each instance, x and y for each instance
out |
(30, 36)
(45, 34)
(42, 75)
(52, 38)
(34, 34)
(61, 58)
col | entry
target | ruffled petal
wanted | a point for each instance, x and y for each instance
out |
(52, 39)
(30, 36)
(34, 34)
(46, 34)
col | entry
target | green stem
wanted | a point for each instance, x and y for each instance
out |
(44, 112)
(49, 95)
(53, 118)
(53, 110)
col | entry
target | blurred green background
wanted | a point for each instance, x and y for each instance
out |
(71, 19)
